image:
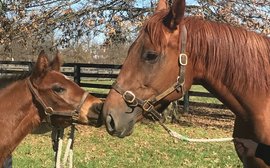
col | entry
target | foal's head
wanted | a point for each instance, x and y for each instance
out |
(54, 93)
(150, 68)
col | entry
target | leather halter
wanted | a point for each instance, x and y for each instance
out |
(49, 111)
(148, 105)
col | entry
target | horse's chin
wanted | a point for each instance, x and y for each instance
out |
(124, 133)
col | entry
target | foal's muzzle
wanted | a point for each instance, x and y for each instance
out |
(95, 119)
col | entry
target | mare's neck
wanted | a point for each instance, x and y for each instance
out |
(231, 62)
(225, 95)
(18, 116)
(252, 110)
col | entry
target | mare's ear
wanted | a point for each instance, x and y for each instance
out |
(175, 15)
(41, 66)
(162, 5)
(56, 62)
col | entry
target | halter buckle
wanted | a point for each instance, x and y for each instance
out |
(129, 97)
(147, 106)
(183, 59)
(49, 111)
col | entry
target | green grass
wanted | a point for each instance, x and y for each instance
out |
(98, 90)
(149, 146)
(199, 88)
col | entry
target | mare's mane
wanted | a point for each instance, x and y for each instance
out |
(237, 57)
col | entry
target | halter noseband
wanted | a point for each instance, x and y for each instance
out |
(148, 105)
(49, 111)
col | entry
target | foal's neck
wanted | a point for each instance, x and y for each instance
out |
(18, 116)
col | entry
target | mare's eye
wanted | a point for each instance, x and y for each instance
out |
(150, 57)
(58, 89)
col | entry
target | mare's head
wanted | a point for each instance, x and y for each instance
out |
(53, 93)
(151, 67)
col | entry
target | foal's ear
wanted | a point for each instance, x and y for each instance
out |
(175, 15)
(162, 5)
(41, 65)
(56, 62)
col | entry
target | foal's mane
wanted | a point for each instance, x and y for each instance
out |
(8, 79)
(237, 57)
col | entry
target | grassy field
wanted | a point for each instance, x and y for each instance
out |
(199, 88)
(149, 146)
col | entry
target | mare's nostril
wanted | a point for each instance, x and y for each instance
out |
(110, 123)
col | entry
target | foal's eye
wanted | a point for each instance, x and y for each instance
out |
(150, 57)
(58, 89)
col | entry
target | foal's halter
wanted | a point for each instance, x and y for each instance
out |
(148, 105)
(49, 111)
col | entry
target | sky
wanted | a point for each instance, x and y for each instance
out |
(140, 3)
(143, 2)
(191, 2)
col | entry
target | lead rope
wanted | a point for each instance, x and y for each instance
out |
(57, 138)
(69, 148)
(59, 149)
(185, 138)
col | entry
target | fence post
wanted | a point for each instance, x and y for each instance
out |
(77, 74)
(30, 66)
(186, 102)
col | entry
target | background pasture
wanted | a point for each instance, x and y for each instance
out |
(149, 146)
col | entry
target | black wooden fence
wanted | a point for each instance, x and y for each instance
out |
(97, 78)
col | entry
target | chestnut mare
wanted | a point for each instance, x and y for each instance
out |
(43, 94)
(172, 52)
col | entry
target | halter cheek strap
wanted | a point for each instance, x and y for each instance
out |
(182, 61)
(49, 111)
(148, 105)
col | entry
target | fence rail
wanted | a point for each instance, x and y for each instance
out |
(97, 78)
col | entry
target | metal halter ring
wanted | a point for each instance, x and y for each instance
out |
(183, 60)
(49, 111)
(147, 106)
(129, 97)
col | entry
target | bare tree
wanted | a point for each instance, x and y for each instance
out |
(87, 23)
(251, 14)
